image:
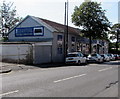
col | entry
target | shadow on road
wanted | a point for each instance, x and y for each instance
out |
(16, 67)
(112, 63)
(55, 65)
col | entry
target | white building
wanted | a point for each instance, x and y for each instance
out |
(46, 40)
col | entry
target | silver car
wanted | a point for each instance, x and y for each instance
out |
(105, 57)
(111, 56)
(95, 58)
(76, 58)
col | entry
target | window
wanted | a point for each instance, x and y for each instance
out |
(72, 55)
(73, 39)
(59, 38)
(59, 50)
(94, 55)
(29, 31)
(38, 31)
(81, 55)
(59, 44)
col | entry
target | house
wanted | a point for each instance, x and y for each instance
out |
(47, 39)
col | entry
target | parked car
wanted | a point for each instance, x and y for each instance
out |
(116, 56)
(95, 58)
(105, 57)
(76, 58)
(111, 56)
(85, 55)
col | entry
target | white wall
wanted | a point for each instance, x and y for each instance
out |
(18, 53)
(29, 22)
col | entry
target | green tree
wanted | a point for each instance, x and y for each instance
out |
(114, 31)
(91, 17)
(8, 18)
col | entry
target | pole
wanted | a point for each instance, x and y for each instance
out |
(67, 30)
(65, 35)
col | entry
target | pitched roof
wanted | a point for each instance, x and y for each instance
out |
(53, 26)
(61, 28)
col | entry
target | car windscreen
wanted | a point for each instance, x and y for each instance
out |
(72, 55)
(102, 55)
(93, 55)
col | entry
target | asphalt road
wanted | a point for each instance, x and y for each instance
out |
(93, 80)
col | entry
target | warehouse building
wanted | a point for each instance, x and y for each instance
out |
(46, 40)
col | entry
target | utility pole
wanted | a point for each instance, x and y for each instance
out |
(66, 31)
(65, 35)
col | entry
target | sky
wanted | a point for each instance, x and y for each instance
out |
(54, 9)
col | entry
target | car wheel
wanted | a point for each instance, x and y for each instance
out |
(79, 63)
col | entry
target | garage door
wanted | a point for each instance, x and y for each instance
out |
(42, 54)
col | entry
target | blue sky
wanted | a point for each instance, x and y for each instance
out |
(54, 9)
(111, 11)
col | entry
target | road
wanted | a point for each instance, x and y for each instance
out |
(93, 80)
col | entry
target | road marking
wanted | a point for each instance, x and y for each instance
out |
(69, 78)
(104, 69)
(9, 93)
(56, 68)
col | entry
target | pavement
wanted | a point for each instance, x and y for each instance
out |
(8, 67)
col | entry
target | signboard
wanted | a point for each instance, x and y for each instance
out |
(29, 31)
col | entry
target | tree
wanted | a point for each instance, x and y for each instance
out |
(112, 48)
(114, 31)
(8, 18)
(91, 17)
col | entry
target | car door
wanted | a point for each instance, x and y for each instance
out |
(82, 58)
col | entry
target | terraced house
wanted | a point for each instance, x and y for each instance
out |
(46, 41)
